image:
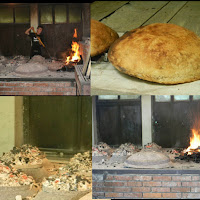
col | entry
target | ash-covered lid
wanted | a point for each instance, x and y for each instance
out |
(34, 66)
(148, 158)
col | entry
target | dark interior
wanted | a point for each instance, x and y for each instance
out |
(120, 121)
(53, 122)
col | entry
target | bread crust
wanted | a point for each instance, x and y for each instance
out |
(102, 37)
(161, 53)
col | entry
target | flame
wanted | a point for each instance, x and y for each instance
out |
(75, 33)
(75, 57)
(194, 142)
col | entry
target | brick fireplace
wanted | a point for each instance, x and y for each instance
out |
(58, 34)
(136, 184)
(38, 87)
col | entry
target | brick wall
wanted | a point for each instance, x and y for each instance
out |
(38, 88)
(125, 186)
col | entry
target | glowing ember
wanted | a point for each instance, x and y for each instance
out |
(75, 57)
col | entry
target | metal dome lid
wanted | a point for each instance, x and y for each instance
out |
(148, 158)
(30, 68)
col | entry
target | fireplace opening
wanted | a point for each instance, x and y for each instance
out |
(140, 132)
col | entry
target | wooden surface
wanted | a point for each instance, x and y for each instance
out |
(101, 9)
(105, 78)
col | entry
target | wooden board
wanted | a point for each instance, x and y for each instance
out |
(189, 17)
(108, 80)
(133, 15)
(167, 12)
(100, 9)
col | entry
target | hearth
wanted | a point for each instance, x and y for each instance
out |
(61, 51)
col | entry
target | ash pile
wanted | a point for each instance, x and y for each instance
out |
(9, 64)
(23, 156)
(75, 176)
(24, 66)
(150, 156)
(103, 153)
(70, 180)
(16, 176)
(9, 176)
(14, 182)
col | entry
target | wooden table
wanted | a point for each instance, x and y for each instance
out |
(124, 16)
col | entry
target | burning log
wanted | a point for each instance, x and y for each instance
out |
(74, 58)
(75, 53)
(70, 66)
(192, 153)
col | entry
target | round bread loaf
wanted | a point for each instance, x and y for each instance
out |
(162, 53)
(102, 37)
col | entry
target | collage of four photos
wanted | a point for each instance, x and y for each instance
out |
(100, 100)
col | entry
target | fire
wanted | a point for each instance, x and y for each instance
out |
(75, 57)
(194, 142)
(75, 33)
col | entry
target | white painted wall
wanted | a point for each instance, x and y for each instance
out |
(7, 123)
(34, 15)
(146, 119)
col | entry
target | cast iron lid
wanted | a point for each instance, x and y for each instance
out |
(148, 158)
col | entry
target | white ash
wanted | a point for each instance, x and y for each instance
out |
(96, 152)
(37, 59)
(8, 65)
(9, 176)
(75, 176)
(55, 65)
(24, 155)
(31, 68)
(37, 64)
(102, 149)
(153, 146)
(126, 149)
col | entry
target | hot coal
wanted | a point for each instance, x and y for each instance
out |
(70, 67)
(195, 157)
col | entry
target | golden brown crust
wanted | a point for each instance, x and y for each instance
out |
(162, 53)
(102, 37)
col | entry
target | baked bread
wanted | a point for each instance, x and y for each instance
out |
(162, 53)
(102, 37)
